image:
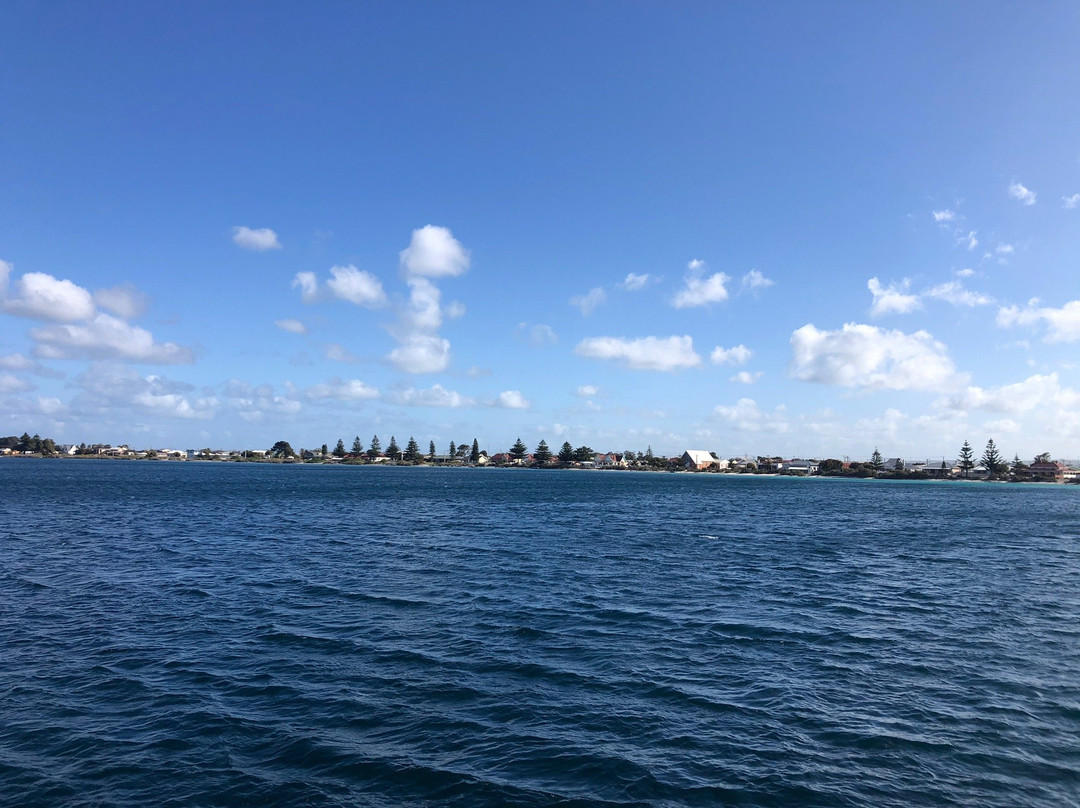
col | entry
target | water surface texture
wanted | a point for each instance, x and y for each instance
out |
(211, 634)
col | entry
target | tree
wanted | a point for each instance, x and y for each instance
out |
(339, 449)
(648, 454)
(830, 466)
(629, 456)
(375, 449)
(412, 451)
(281, 449)
(583, 454)
(357, 446)
(992, 459)
(566, 453)
(474, 453)
(1018, 466)
(898, 465)
(431, 452)
(966, 462)
(542, 453)
(393, 451)
(875, 461)
(453, 450)
(518, 450)
(1042, 458)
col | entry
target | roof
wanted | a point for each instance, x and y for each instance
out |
(699, 456)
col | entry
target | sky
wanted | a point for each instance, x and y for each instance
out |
(795, 229)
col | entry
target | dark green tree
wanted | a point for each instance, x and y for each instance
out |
(375, 450)
(281, 449)
(967, 462)
(474, 453)
(649, 456)
(325, 450)
(339, 449)
(830, 466)
(898, 465)
(1018, 466)
(357, 446)
(518, 450)
(412, 450)
(453, 449)
(992, 459)
(1042, 458)
(629, 456)
(24, 442)
(566, 452)
(542, 453)
(431, 451)
(393, 451)
(583, 454)
(876, 462)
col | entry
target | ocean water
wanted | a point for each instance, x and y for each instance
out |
(211, 634)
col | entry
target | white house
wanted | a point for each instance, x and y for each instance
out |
(698, 459)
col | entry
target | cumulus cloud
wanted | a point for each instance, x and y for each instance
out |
(699, 290)
(18, 362)
(1038, 392)
(646, 353)
(292, 326)
(5, 273)
(512, 400)
(110, 387)
(943, 216)
(13, 384)
(739, 355)
(867, 357)
(421, 353)
(746, 377)
(588, 302)
(1062, 325)
(588, 390)
(1068, 202)
(308, 285)
(754, 280)
(107, 337)
(40, 296)
(348, 390)
(1024, 195)
(634, 282)
(254, 402)
(537, 334)
(260, 239)
(434, 396)
(126, 301)
(433, 252)
(954, 292)
(892, 299)
(746, 416)
(355, 286)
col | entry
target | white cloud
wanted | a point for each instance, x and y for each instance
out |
(754, 280)
(1042, 393)
(421, 353)
(110, 387)
(1068, 202)
(348, 390)
(19, 362)
(292, 326)
(126, 301)
(646, 353)
(699, 290)
(252, 403)
(893, 298)
(434, 396)
(943, 216)
(42, 297)
(965, 273)
(634, 282)
(1062, 325)
(512, 400)
(588, 390)
(954, 292)
(339, 353)
(259, 240)
(695, 264)
(1018, 192)
(107, 337)
(745, 415)
(433, 252)
(13, 384)
(588, 302)
(864, 356)
(969, 241)
(1004, 249)
(5, 273)
(309, 286)
(739, 355)
(353, 285)
(174, 405)
(537, 334)
(454, 310)
(746, 377)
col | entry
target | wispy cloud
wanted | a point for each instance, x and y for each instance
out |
(1070, 202)
(588, 302)
(292, 326)
(755, 280)
(1024, 195)
(645, 353)
(260, 239)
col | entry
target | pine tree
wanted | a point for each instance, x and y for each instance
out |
(393, 451)
(376, 448)
(453, 450)
(875, 461)
(991, 458)
(566, 453)
(412, 450)
(542, 453)
(357, 446)
(583, 454)
(431, 452)
(1018, 466)
(648, 454)
(339, 450)
(518, 450)
(474, 453)
(966, 462)
(325, 450)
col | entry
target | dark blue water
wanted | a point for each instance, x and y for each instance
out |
(194, 634)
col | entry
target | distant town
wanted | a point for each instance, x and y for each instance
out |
(988, 465)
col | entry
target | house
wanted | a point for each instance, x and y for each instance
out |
(806, 467)
(697, 459)
(610, 460)
(1050, 470)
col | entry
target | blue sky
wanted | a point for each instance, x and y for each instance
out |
(809, 229)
